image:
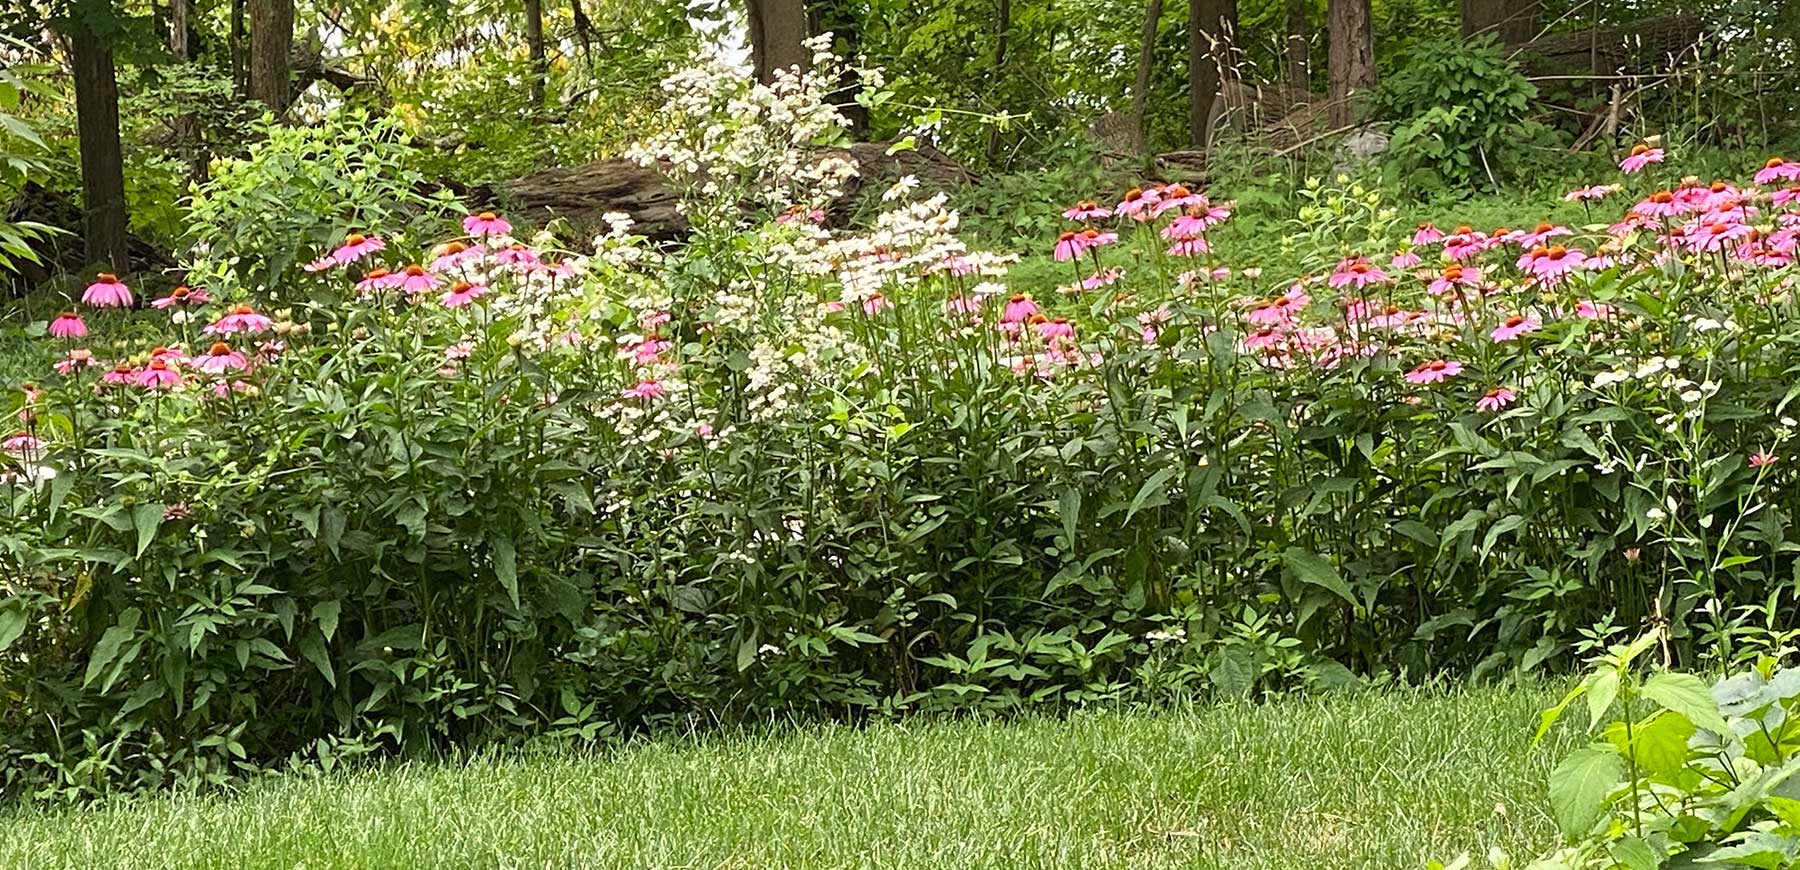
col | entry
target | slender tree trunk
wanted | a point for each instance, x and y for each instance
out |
(1002, 33)
(97, 132)
(271, 50)
(240, 77)
(187, 126)
(1512, 22)
(839, 18)
(1352, 37)
(1212, 26)
(1140, 88)
(778, 32)
(1297, 50)
(534, 48)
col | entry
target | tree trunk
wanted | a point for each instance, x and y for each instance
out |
(187, 126)
(1296, 52)
(1002, 33)
(240, 78)
(778, 35)
(1512, 22)
(1352, 57)
(271, 46)
(534, 48)
(97, 132)
(1212, 26)
(1140, 88)
(839, 18)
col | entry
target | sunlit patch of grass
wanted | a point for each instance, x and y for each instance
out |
(1375, 780)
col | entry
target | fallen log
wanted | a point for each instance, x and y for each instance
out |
(1651, 45)
(65, 252)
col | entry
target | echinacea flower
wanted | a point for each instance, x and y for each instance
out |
(1659, 204)
(1641, 155)
(1454, 276)
(1495, 399)
(1427, 234)
(1778, 169)
(77, 359)
(1356, 274)
(1059, 328)
(414, 279)
(220, 358)
(107, 291)
(1553, 262)
(1435, 371)
(1088, 210)
(452, 255)
(1543, 233)
(1069, 246)
(876, 304)
(68, 325)
(122, 373)
(1590, 310)
(646, 389)
(1018, 309)
(486, 224)
(1137, 204)
(23, 442)
(1760, 459)
(1404, 260)
(1102, 278)
(158, 375)
(1515, 326)
(377, 280)
(355, 247)
(182, 296)
(1464, 243)
(1193, 247)
(170, 353)
(1593, 193)
(462, 293)
(517, 254)
(241, 318)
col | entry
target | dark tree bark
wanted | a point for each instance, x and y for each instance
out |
(1212, 26)
(271, 50)
(534, 49)
(1296, 51)
(1002, 35)
(840, 19)
(1352, 38)
(240, 77)
(778, 32)
(97, 132)
(1512, 22)
(1140, 87)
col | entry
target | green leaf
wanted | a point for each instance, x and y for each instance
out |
(1309, 567)
(1153, 492)
(108, 647)
(1660, 745)
(147, 518)
(12, 624)
(312, 648)
(506, 567)
(1580, 785)
(1687, 694)
(1635, 853)
(1602, 689)
(325, 613)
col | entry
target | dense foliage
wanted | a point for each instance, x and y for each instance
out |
(406, 498)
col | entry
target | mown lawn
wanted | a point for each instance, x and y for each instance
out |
(1376, 780)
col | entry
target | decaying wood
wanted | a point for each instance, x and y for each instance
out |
(66, 252)
(1647, 46)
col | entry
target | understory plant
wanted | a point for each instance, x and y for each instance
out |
(422, 493)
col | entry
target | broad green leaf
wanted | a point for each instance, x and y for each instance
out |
(1660, 744)
(1635, 853)
(147, 518)
(1602, 689)
(506, 568)
(1580, 785)
(1686, 694)
(1309, 567)
(325, 613)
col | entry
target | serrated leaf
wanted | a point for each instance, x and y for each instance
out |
(1580, 785)
(1686, 694)
(1310, 568)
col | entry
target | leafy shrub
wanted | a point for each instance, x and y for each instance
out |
(1461, 115)
(301, 188)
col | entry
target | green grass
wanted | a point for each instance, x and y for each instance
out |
(1375, 780)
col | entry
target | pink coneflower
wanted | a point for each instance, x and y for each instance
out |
(1280, 309)
(644, 351)
(1427, 234)
(1137, 203)
(122, 373)
(1590, 310)
(171, 354)
(1515, 326)
(453, 255)
(1551, 263)
(1068, 246)
(240, 319)
(1403, 260)
(68, 325)
(77, 359)
(107, 291)
(222, 389)
(183, 295)
(377, 280)
(1177, 196)
(1018, 309)
(486, 224)
(1088, 210)
(1786, 196)
(1102, 278)
(414, 279)
(1189, 224)
(355, 247)
(517, 254)
(1641, 155)
(459, 351)
(1193, 247)
(1050, 330)
(1659, 204)
(158, 375)
(1093, 238)
(23, 442)
(1542, 234)
(965, 305)
(1778, 169)
(1593, 193)
(462, 293)
(1760, 459)
(1717, 234)
(648, 388)
(1464, 243)
(220, 358)
(875, 305)
(1433, 372)
(801, 213)
(1454, 275)
(1268, 338)
(1495, 399)
(1356, 274)
(321, 264)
